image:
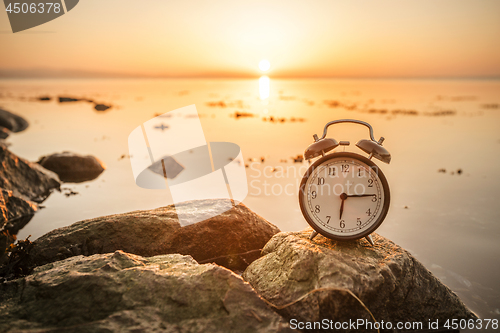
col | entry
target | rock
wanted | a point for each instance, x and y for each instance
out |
(4, 133)
(120, 292)
(44, 98)
(232, 239)
(15, 212)
(12, 122)
(72, 167)
(24, 178)
(323, 279)
(68, 99)
(101, 107)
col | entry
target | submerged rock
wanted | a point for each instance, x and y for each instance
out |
(72, 167)
(101, 107)
(232, 239)
(323, 279)
(12, 122)
(15, 211)
(25, 178)
(68, 99)
(120, 292)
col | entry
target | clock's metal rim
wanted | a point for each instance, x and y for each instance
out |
(371, 164)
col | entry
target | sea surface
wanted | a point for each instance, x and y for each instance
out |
(443, 135)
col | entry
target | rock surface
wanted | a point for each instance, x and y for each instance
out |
(101, 107)
(120, 292)
(232, 239)
(315, 280)
(24, 178)
(15, 212)
(72, 167)
(12, 122)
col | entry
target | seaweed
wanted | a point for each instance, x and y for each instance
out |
(16, 260)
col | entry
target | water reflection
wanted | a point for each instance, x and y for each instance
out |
(264, 87)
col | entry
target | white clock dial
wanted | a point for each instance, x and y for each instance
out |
(344, 196)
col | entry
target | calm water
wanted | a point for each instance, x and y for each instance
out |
(450, 222)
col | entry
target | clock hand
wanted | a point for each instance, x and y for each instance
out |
(343, 196)
(360, 195)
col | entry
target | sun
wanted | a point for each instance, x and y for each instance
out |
(264, 65)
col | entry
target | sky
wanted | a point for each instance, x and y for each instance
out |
(228, 38)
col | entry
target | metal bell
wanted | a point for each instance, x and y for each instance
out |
(320, 147)
(374, 149)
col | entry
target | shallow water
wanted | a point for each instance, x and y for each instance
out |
(450, 222)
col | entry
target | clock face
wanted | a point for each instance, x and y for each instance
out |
(344, 196)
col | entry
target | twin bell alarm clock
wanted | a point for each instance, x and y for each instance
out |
(343, 195)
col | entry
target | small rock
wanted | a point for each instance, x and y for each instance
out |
(121, 292)
(12, 122)
(4, 133)
(172, 167)
(298, 159)
(24, 178)
(442, 170)
(72, 167)
(101, 107)
(232, 239)
(68, 99)
(15, 211)
(323, 279)
(459, 171)
(44, 98)
(406, 207)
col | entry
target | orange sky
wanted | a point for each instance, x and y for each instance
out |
(314, 38)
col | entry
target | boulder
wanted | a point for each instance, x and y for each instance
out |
(15, 211)
(120, 292)
(72, 167)
(340, 281)
(232, 239)
(12, 122)
(24, 178)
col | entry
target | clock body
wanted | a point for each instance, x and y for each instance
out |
(344, 196)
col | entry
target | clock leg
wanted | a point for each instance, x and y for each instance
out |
(370, 240)
(313, 234)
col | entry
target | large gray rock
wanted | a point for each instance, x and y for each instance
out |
(120, 292)
(232, 239)
(25, 178)
(340, 281)
(12, 122)
(72, 167)
(15, 211)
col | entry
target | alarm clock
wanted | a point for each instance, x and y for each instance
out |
(344, 195)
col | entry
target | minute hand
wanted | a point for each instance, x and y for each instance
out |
(360, 195)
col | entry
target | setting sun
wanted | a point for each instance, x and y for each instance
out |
(264, 65)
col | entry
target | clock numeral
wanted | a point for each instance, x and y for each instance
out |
(359, 172)
(374, 198)
(342, 224)
(331, 171)
(328, 219)
(321, 181)
(370, 182)
(317, 209)
(369, 212)
(358, 221)
(314, 194)
(345, 168)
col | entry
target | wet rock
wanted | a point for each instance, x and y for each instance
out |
(4, 133)
(232, 239)
(323, 279)
(68, 99)
(44, 98)
(15, 211)
(101, 107)
(24, 178)
(121, 292)
(172, 167)
(72, 167)
(12, 122)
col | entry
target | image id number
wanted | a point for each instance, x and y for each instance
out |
(33, 8)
